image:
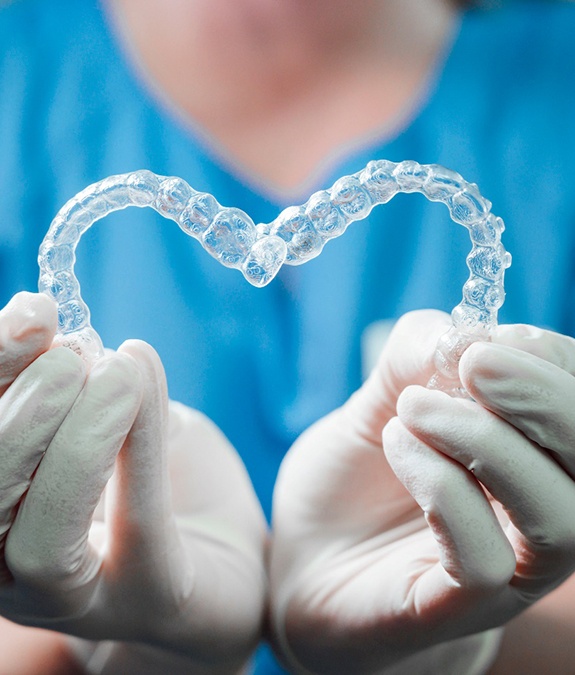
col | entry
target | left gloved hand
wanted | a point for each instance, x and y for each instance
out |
(177, 560)
(387, 555)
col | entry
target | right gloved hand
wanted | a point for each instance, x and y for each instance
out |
(177, 561)
(387, 554)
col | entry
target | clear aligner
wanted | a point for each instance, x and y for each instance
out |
(297, 235)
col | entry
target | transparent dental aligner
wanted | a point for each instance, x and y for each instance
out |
(297, 235)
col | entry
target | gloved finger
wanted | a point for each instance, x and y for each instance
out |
(31, 411)
(47, 547)
(138, 499)
(213, 480)
(547, 345)
(532, 394)
(27, 326)
(474, 552)
(406, 359)
(149, 540)
(538, 496)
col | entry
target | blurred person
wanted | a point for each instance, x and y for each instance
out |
(261, 103)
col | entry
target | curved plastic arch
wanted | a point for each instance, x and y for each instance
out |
(297, 235)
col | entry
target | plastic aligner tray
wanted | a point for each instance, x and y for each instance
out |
(297, 235)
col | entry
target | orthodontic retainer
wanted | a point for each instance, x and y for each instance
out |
(297, 235)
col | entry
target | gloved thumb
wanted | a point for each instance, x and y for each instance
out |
(27, 328)
(406, 359)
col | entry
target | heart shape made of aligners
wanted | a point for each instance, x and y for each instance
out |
(297, 235)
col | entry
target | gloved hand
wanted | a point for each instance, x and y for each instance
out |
(177, 561)
(386, 555)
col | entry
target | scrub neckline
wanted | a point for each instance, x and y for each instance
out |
(335, 164)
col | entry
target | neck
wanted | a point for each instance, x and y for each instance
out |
(253, 67)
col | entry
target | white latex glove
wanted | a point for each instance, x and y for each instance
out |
(385, 562)
(178, 561)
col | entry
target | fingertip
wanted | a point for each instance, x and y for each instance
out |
(547, 345)
(32, 311)
(393, 432)
(474, 364)
(516, 334)
(66, 362)
(57, 373)
(401, 448)
(118, 374)
(136, 346)
(28, 323)
(27, 301)
(151, 370)
(486, 367)
(143, 354)
(420, 328)
(413, 400)
(408, 356)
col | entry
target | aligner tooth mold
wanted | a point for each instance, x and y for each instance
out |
(297, 235)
